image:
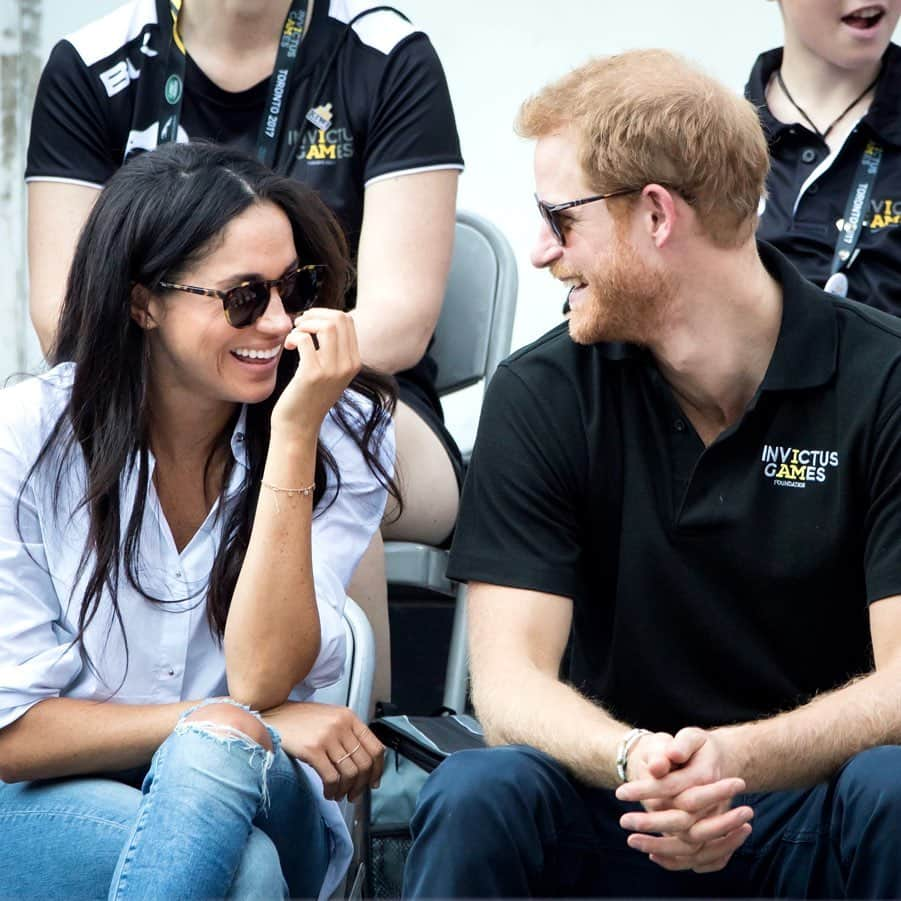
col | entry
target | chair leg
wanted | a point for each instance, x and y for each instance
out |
(456, 680)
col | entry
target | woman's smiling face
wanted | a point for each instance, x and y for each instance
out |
(193, 348)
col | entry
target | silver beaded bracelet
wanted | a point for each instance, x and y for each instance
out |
(622, 752)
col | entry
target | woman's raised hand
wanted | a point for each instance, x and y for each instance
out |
(335, 742)
(326, 342)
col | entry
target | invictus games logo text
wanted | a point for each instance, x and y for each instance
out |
(794, 467)
(325, 146)
(885, 214)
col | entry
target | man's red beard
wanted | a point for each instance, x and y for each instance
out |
(625, 300)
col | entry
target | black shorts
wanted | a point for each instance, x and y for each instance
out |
(418, 400)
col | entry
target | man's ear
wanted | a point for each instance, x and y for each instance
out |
(141, 303)
(661, 212)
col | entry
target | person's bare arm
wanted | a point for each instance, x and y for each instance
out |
(792, 750)
(406, 242)
(272, 633)
(806, 745)
(67, 737)
(802, 746)
(517, 640)
(56, 213)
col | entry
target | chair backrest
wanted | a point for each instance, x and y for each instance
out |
(476, 325)
(354, 688)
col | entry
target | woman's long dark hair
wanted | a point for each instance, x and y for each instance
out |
(158, 215)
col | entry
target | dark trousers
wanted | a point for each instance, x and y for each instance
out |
(510, 822)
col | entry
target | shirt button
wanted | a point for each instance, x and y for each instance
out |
(813, 189)
(679, 425)
(239, 436)
(171, 672)
(808, 155)
(178, 574)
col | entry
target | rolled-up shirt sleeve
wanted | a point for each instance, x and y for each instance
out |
(344, 528)
(37, 659)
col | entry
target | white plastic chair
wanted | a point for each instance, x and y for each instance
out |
(354, 690)
(472, 336)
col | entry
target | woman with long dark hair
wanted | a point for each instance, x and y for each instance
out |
(347, 97)
(182, 501)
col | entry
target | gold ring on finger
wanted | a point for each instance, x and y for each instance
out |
(348, 754)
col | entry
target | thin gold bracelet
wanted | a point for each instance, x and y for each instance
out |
(306, 492)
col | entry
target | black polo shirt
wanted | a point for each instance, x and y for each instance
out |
(709, 585)
(98, 103)
(808, 192)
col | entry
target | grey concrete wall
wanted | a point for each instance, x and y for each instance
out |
(20, 62)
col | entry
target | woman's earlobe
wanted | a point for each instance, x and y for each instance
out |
(140, 307)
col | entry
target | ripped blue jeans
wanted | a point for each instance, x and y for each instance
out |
(217, 816)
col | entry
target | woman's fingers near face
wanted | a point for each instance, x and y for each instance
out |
(299, 340)
(336, 337)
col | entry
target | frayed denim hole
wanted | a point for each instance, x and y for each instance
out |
(231, 736)
(274, 735)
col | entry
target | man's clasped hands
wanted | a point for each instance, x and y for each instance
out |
(688, 821)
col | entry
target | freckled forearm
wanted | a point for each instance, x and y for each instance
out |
(272, 635)
(63, 737)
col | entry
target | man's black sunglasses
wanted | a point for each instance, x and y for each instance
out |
(550, 211)
(245, 303)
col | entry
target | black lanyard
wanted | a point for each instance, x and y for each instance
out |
(279, 83)
(856, 207)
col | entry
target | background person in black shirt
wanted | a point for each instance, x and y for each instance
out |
(832, 92)
(695, 486)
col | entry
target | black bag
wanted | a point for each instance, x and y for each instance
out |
(427, 740)
(415, 746)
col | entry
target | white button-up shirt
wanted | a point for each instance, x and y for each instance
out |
(171, 653)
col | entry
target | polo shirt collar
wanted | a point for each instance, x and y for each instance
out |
(806, 349)
(807, 345)
(882, 116)
(755, 91)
